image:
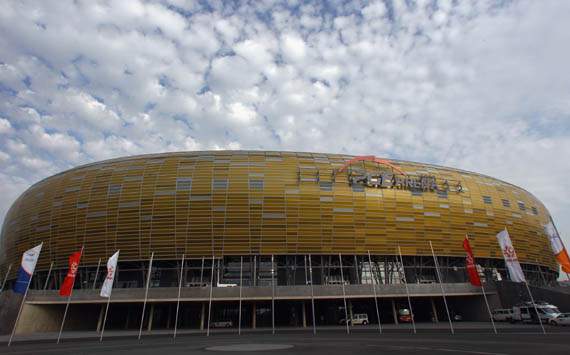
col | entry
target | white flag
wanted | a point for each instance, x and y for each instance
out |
(510, 256)
(111, 268)
(27, 267)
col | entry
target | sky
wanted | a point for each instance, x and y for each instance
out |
(476, 85)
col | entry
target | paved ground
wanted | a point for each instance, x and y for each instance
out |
(331, 342)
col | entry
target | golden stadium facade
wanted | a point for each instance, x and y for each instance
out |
(261, 205)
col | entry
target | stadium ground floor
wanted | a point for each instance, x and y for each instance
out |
(250, 307)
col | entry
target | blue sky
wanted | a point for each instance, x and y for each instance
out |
(477, 85)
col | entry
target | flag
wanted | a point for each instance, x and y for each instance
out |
(29, 261)
(111, 268)
(557, 246)
(510, 256)
(470, 263)
(69, 281)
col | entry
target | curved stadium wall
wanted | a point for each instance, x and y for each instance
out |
(245, 203)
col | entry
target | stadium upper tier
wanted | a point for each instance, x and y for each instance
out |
(257, 202)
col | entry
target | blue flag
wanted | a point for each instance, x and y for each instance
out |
(29, 261)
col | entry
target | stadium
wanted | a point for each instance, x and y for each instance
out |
(254, 239)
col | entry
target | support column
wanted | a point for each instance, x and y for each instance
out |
(394, 313)
(202, 315)
(169, 316)
(100, 321)
(150, 317)
(434, 310)
(128, 317)
(253, 316)
(304, 315)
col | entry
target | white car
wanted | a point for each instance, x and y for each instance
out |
(561, 319)
(502, 315)
(357, 319)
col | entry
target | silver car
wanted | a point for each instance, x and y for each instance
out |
(560, 319)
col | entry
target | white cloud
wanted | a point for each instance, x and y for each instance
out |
(474, 85)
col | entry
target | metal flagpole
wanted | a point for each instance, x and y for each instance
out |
(96, 273)
(374, 289)
(202, 273)
(532, 298)
(407, 290)
(240, 289)
(488, 308)
(146, 292)
(272, 294)
(485, 297)
(442, 290)
(67, 306)
(107, 307)
(343, 295)
(535, 309)
(20, 310)
(210, 302)
(6, 277)
(178, 299)
(48, 275)
(312, 296)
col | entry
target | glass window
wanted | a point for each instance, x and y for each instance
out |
(534, 211)
(522, 207)
(357, 188)
(506, 203)
(183, 184)
(487, 200)
(220, 184)
(326, 185)
(114, 189)
(255, 184)
(442, 193)
(417, 192)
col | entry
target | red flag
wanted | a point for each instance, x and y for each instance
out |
(69, 281)
(470, 261)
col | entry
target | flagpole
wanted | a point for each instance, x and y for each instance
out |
(68, 301)
(178, 299)
(535, 309)
(312, 296)
(48, 275)
(483, 290)
(488, 309)
(442, 290)
(240, 291)
(105, 318)
(19, 311)
(23, 301)
(375, 295)
(146, 292)
(6, 277)
(343, 295)
(109, 299)
(210, 301)
(272, 294)
(407, 290)
(96, 273)
(530, 293)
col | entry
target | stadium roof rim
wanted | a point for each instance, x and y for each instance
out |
(260, 152)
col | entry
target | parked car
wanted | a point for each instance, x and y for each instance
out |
(222, 324)
(525, 312)
(561, 319)
(503, 315)
(357, 319)
(404, 315)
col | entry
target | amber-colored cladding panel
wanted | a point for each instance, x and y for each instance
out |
(238, 202)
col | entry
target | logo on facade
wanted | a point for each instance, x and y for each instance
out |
(389, 176)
